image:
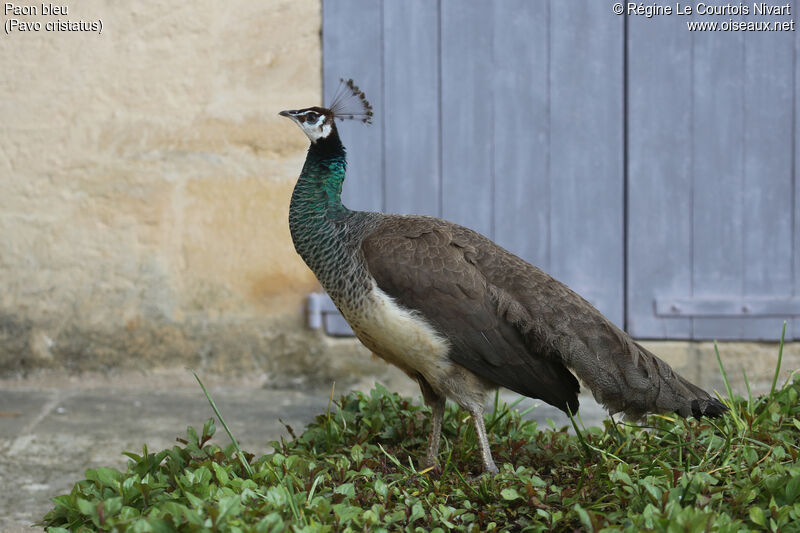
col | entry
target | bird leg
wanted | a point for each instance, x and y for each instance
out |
(436, 431)
(436, 403)
(476, 412)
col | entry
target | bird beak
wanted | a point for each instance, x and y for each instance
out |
(289, 114)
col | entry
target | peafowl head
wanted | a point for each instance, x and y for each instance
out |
(350, 103)
(316, 122)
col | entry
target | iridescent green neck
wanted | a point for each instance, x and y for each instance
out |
(325, 233)
(317, 198)
(320, 183)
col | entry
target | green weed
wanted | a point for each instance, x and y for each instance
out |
(355, 469)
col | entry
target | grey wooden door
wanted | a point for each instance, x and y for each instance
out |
(713, 248)
(505, 117)
(647, 167)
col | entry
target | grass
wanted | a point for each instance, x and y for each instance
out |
(354, 469)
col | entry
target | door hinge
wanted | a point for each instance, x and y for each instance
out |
(722, 307)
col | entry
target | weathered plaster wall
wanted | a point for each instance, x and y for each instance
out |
(144, 187)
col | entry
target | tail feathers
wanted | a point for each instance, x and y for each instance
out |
(710, 407)
(636, 382)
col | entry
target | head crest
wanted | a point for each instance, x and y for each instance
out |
(351, 103)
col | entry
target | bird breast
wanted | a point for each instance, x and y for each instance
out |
(400, 336)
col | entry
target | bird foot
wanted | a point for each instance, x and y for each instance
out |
(486, 474)
(429, 463)
(491, 469)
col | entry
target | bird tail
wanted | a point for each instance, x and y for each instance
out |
(638, 382)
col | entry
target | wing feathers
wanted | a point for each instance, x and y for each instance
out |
(511, 323)
(430, 271)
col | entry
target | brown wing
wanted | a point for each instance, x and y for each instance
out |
(426, 267)
(513, 324)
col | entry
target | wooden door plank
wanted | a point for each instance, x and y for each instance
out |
(586, 161)
(767, 226)
(466, 114)
(659, 173)
(794, 326)
(522, 129)
(411, 83)
(718, 174)
(352, 36)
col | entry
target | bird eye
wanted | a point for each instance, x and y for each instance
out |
(312, 117)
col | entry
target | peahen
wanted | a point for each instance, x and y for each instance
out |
(458, 313)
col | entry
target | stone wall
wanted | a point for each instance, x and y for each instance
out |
(144, 187)
(697, 362)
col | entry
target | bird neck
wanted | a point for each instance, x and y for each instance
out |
(316, 208)
(318, 192)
